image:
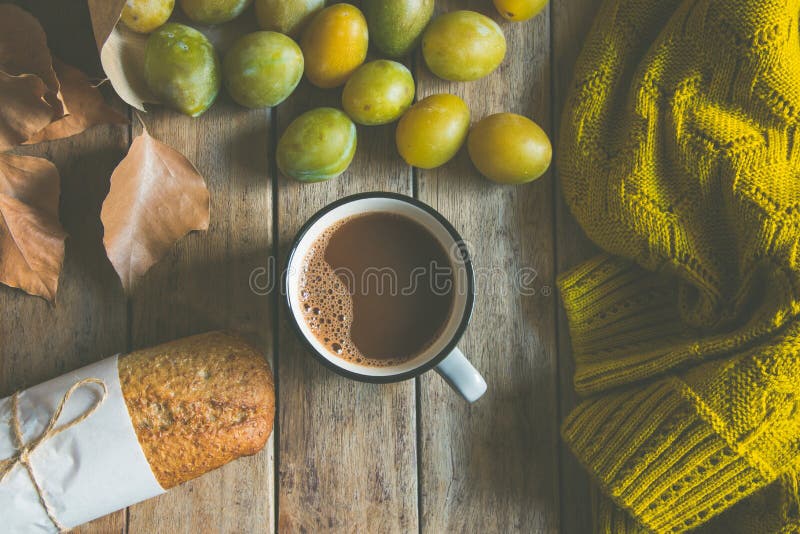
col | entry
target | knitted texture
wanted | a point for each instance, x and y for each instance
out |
(770, 511)
(678, 157)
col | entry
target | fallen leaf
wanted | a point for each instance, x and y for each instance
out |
(121, 53)
(29, 87)
(83, 103)
(156, 197)
(23, 111)
(23, 50)
(104, 15)
(31, 237)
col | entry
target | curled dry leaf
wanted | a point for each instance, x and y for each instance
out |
(83, 103)
(36, 92)
(23, 50)
(31, 237)
(105, 15)
(156, 197)
(29, 88)
(121, 53)
(23, 110)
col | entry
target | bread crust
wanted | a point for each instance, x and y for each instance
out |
(197, 403)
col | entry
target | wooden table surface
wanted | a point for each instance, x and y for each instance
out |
(345, 456)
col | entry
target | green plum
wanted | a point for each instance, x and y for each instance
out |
(213, 11)
(144, 16)
(432, 131)
(378, 92)
(317, 146)
(509, 148)
(262, 69)
(181, 68)
(463, 46)
(286, 16)
(395, 25)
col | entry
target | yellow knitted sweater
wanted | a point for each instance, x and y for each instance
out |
(680, 157)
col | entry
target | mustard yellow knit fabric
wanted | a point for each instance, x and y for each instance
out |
(680, 157)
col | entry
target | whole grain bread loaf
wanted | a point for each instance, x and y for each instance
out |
(197, 403)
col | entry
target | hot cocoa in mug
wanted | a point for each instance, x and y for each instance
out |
(380, 287)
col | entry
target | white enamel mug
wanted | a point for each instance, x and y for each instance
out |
(442, 354)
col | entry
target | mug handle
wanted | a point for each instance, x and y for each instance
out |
(462, 376)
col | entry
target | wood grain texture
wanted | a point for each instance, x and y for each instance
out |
(347, 449)
(571, 20)
(492, 466)
(204, 283)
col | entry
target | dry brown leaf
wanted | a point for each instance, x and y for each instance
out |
(23, 50)
(23, 111)
(29, 88)
(31, 237)
(121, 53)
(83, 103)
(156, 197)
(105, 15)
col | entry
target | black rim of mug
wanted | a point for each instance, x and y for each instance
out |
(467, 313)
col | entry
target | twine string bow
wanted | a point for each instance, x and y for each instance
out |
(23, 453)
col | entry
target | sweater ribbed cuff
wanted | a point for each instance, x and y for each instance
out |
(624, 323)
(657, 458)
(626, 327)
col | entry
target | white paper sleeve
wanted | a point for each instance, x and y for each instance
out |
(89, 470)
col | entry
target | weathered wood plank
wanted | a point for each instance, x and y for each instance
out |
(347, 449)
(204, 283)
(492, 467)
(570, 23)
(89, 320)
